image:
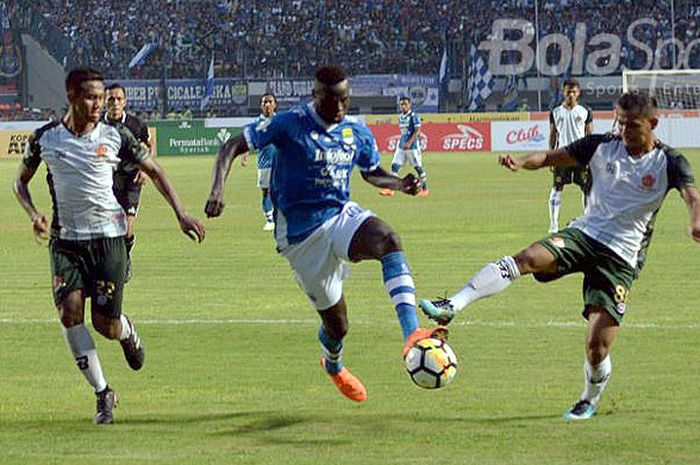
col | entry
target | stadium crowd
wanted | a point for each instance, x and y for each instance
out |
(288, 38)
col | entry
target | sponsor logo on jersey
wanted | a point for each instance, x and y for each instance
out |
(620, 308)
(101, 151)
(348, 138)
(648, 181)
(468, 138)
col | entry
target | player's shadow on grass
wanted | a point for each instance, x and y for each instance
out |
(501, 420)
(185, 419)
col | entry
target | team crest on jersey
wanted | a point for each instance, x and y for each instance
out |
(348, 138)
(620, 308)
(557, 242)
(313, 135)
(101, 151)
(648, 181)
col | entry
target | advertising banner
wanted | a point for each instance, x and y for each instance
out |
(423, 90)
(12, 142)
(184, 93)
(190, 137)
(510, 136)
(439, 137)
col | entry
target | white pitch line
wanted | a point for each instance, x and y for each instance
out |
(309, 321)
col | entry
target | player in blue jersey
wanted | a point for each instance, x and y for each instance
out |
(317, 228)
(268, 105)
(408, 148)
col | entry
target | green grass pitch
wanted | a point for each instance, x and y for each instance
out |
(232, 373)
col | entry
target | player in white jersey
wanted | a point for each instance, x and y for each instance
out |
(631, 175)
(568, 123)
(87, 248)
(408, 147)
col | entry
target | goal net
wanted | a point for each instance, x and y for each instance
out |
(674, 89)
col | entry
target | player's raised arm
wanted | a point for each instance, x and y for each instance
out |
(537, 160)
(379, 177)
(234, 147)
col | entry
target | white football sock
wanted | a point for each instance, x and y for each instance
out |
(554, 206)
(492, 279)
(82, 347)
(127, 329)
(595, 379)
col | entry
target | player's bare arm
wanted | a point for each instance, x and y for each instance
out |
(142, 177)
(40, 223)
(534, 161)
(692, 200)
(409, 184)
(190, 226)
(589, 129)
(228, 152)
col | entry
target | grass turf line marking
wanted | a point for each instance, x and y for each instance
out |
(283, 321)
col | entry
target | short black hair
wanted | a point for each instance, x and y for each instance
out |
(571, 83)
(330, 75)
(405, 98)
(638, 102)
(77, 76)
(115, 86)
(270, 94)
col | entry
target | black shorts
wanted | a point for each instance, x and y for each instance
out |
(98, 266)
(572, 175)
(128, 193)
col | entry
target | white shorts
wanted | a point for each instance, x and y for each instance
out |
(320, 261)
(403, 157)
(264, 178)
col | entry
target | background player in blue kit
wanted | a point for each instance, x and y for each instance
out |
(408, 148)
(317, 228)
(268, 105)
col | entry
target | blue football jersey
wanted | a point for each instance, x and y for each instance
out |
(409, 124)
(311, 169)
(264, 154)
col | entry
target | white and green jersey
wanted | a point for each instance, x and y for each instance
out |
(79, 174)
(626, 192)
(570, 123)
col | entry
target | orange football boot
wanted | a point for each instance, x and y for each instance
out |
(348, 384)
(386, 192)
(438, 332)
(424, 193)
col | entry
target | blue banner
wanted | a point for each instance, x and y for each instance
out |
(227, 94)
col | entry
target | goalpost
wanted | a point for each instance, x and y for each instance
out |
(677, 92)
(677, 89)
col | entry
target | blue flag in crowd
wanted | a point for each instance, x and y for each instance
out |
(480, 81)
(208, 85)
(142, 54)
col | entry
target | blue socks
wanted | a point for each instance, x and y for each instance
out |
(399, 285)
(332, 350)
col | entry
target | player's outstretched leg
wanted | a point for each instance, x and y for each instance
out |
(492, 279)
(134, 352)
(376, 240)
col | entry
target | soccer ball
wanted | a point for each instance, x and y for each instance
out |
(431, 363)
